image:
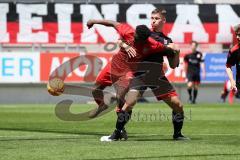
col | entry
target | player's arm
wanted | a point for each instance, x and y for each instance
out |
(173, 58)
(170, 52)
(104, 22)
(231, 62)
(230, 76)
(185, 64)
(203, 70)
(130, 50)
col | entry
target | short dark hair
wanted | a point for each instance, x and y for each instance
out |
(143, 32)
(195, 42)
(160, 11)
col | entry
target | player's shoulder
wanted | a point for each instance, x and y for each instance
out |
(198, 53)
(124, 26)
(168, 38)
(161, 34)
(234, 48)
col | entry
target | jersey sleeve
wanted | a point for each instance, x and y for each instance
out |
(231, 59)
(124, 30)
(155, 46)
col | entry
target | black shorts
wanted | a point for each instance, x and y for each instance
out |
(161, 87)
(194, 77)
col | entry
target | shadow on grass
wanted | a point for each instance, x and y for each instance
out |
(173, 156)
(157, 138)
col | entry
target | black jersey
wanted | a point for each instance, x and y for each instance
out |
(233, 59)
(160, 37)
(194, 60)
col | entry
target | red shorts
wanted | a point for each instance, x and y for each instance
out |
(104, 77)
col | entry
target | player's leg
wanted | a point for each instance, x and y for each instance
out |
(224, 92)
(122, 116)
(131, 99)
(196, 82)
(177, 116)
(189, 89)
(98, 94)
(231, 97)
(166, 92)
(195, 91)
(102, 81)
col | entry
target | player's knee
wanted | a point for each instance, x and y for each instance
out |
(131, 101)
(178, 106)
(98, 89)
(95, 92)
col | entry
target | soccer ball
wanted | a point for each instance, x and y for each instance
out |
(55, 86)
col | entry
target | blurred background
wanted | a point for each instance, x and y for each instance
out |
(37, 36)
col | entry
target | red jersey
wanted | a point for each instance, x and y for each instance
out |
(121, 61)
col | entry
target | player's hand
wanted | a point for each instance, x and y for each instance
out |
(172, 46)
(131, 52)
(233, 86)
(90, 23)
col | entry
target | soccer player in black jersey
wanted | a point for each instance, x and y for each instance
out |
(233, 59)
(194, 62)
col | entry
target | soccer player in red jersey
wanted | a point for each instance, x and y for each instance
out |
(119, 64)
(157, 82)
(233, 59)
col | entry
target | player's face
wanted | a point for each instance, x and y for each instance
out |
(194, 47)
(157, 21)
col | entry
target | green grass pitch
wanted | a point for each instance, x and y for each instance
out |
(32, 132)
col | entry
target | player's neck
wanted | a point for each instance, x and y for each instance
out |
(157, 30)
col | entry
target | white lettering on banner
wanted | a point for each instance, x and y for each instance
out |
(188, 21)
(134, 12)
(64, 12)
(82, 61)
(109, 34)
(4, 36)
(61, 71)
(27, 23)
(226, 19)
(19, 67)
(81, 66)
